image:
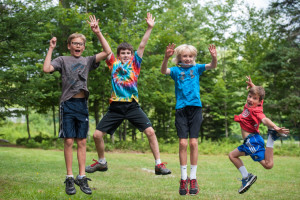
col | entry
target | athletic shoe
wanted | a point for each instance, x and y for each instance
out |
(275, 135)
(161, 169)
(247, 182)
(70, 189)
(83, 184)
(184, 187)
(96, 167)
(194, 187)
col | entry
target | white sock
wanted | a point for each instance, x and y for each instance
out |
(67, 176)
(243, 171)
(193, 172)
(102, 160)
(157, 162)
(80, 177)
(183, 169)
(270, 141)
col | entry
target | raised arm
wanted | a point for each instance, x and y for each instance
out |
(213, 53)
(266, 121)
(94, 23)
(168, 54)
(150, 22)
(47, 67)
(249, 82)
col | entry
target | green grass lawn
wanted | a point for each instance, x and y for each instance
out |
(39, 174)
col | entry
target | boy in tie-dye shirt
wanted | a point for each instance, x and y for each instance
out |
(125, 70)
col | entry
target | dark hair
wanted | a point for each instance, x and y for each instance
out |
(124, 46)
(258, 90)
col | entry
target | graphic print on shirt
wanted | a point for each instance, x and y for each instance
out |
(76, 68)
(246, 113)
(182, 75)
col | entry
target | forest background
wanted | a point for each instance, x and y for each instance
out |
(261, 43)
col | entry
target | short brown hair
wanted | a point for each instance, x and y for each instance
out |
(258, 90)
(124, 46)
(76, 35)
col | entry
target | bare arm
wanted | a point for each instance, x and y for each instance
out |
(150, 22)
(266, 121)
(94, 23)
(168, 54)
(47, 67)
(213, 53)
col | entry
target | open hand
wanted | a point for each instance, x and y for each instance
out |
(170, 50)
(282, 130)
(249, 82)
(150, 20)
(94, 24)
(212, 50)
(53, 42)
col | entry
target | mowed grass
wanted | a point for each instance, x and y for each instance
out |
(39, 174)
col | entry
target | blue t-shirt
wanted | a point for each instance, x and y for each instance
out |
(187, 86)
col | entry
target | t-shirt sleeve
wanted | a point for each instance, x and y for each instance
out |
(57, 63)
(92, 62)
(259, 115)
(201, 68)
(110, 62)
(173, 72)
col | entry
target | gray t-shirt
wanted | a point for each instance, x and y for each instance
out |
(74, 73)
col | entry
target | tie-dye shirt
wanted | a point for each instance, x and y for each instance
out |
(124, 78)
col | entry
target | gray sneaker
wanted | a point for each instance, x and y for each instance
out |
(83, 184)
(247, 182)
(96, 167)
(275, 135)
(161, 169)
(70, 189)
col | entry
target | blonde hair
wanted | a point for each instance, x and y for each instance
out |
(180, 49)
(76, 35)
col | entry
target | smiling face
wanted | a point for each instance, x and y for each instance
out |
(253, 100)
(187, 57)
(124, 55)
(76, 47)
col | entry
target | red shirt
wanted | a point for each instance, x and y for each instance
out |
(250, 118)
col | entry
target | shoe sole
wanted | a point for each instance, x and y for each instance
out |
(71, 193)
(184, 193)
(159, 173)
(248, 186)
(100, 170)
(192, 194)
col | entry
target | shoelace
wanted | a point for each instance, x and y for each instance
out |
(193, 183)
(96, 162)
(162, 165)
(183, 183)
(69, 182)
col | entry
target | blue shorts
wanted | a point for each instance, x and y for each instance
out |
(254, 146)
(74, 118)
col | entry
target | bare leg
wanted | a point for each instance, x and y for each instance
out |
(81, 155)
(183, 143)
(99, 143)
(152, 142)
(268, 163)
(194, 151)
(68, 151)
(234, 157)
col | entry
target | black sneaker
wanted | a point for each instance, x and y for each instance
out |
(184, 187)
(70, 189)
(161, 169)
(194, 187)
(96, 167)
(83, 184)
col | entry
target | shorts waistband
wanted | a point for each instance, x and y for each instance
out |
(250, 135)
(77, 100)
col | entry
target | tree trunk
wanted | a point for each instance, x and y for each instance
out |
(96, 112)
(112, 138)
(133, 134)
(125, 130)
(27, 122)
(53, 117)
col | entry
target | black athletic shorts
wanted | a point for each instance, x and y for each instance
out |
(118, 111)
(188, 121)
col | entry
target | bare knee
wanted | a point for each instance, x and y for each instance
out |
(183, 144)
(69, 142)
(149, 132)
(193, 144)
(268, 166)
(98, 135)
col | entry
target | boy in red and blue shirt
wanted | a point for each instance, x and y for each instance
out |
(253, 145)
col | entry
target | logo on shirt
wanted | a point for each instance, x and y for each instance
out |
(246, 113)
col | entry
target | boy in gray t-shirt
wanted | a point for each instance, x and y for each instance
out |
(74, 114)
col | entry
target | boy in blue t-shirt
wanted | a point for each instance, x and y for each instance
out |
(188, 116)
